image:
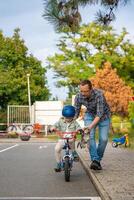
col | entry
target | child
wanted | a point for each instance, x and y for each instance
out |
(67, 123)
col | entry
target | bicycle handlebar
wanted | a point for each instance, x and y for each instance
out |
(67, 135)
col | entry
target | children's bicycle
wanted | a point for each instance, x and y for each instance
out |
(68, 158)
(23, 131)
(119, 141)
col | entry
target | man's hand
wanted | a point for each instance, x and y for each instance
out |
(87, 129)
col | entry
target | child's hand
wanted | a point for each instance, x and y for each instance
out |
(80, 131)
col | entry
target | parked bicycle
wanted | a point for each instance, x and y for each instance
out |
(24, 131)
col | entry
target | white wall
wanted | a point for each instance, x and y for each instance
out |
(47, 112)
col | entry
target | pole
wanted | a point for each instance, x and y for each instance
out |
(29, 96)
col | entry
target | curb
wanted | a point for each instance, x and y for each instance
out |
(30, 141)
(99, 187)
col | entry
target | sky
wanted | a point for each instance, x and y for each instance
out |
(39, 35)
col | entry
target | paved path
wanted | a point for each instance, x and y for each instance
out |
(116, 180)
(26, 172)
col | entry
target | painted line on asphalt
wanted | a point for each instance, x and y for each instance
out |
(8, 148)
(43, 147)
(52, 198)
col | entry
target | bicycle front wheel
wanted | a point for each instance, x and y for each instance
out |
(28, 129)
(67, 169)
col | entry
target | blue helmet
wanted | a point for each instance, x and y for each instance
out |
(68, 111)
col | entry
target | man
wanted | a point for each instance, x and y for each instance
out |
(97, 114)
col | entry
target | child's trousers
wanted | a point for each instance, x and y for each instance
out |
(59, 146)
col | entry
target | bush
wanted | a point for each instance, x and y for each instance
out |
(131, 113)
(12, 135)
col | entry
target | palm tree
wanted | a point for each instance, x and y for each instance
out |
(108, 15)
(65, 15)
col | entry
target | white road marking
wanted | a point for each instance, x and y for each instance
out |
(53, 198)
(8, 148)
(41, 147)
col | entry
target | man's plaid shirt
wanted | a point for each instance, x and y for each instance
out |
(96, 104)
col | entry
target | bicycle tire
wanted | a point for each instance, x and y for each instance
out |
(28, 129)
(25, 137)
(12, 128)
(67, 169)
(114, 144)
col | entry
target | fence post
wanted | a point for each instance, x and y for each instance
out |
(46, 126)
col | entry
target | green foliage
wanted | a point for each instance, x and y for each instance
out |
(51, 12)
(82, 54)
(105, 45)
(63, 15)
(71, 65)
(131, 113)
(15, 64)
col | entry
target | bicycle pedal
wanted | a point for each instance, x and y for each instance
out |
(57, 170)
(76, 159)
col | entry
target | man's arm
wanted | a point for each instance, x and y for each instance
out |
(77, 106)
(94, 123)
(100, 111)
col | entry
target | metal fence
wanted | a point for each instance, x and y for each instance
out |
(18, 115)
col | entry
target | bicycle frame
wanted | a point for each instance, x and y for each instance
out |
(67, 153)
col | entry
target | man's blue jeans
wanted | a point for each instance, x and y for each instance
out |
(97, 151)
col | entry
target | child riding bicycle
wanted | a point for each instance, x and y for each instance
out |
(66, 123)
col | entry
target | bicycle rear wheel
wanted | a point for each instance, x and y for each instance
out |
(67, 169)
(11, 128)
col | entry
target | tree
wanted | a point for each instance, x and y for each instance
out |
(115, 90)
(71, 65)
(80, 57)
(131, 113)
(15, 64)
(65, 15)
(105, 45)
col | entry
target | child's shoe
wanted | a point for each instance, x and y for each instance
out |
(58, 168)
(75, 155)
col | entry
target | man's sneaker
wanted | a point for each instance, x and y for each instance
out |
(95, 165)
(75, 155)
(58, 168)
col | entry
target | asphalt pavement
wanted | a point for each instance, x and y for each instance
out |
(114, 182)
(27, 172)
